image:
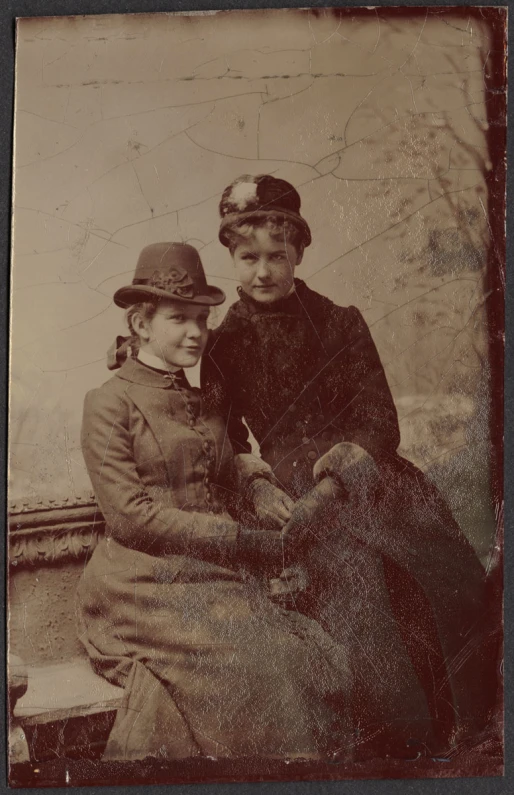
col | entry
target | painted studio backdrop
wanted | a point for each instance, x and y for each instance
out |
(128, 128)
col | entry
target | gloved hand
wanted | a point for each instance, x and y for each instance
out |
(352, 467)
(271, 505)
(346, 475)
(313, 515)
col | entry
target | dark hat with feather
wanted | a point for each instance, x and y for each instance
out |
(256, 197)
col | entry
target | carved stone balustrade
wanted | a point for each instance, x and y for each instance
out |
(48, 532)
(48, 544)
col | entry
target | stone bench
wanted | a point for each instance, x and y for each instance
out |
(61, 709)
(64, 691)
(54, 694)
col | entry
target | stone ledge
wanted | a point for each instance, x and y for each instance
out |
(53, 535)
(26, 505)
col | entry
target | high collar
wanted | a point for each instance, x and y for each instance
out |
(138, 373)
(155, 362)
(290, 305)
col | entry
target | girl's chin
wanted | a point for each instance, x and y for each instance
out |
(265, 296)
(270, 294)
(186, 360)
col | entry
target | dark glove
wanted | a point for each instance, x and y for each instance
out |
(313, 516)
(352, 468)
(346, 476)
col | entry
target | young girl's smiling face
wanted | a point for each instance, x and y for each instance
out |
(265, 266)
(177, 332)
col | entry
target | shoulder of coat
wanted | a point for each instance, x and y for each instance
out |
(355, 318)
(327, 309)
(114, 390)
(346, 321)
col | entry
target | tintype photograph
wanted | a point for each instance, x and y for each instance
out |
(256, 396)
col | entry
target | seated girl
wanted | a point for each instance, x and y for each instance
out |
(393, 578)
(170, 605)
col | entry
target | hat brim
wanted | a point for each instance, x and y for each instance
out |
(134, 294)
(236, 218)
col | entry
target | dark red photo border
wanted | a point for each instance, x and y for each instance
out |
(486, 758)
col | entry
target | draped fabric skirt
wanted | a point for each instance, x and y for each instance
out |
(210, 665)
(395, 582)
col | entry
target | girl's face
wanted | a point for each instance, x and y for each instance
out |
(265, 266)
(177, 333)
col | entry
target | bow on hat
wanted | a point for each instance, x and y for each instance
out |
(169, 270)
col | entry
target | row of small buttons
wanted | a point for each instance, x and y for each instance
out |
(207, 481)
(207, 447)
(325, 435)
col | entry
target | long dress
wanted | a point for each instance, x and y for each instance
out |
(210, 665)
(397, 583)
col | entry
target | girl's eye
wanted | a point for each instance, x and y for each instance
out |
(177, 318)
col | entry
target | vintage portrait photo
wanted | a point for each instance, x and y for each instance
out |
(256, 396)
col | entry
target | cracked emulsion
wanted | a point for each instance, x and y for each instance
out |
(116, 147)
(127, 130)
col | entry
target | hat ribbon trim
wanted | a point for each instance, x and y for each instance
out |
(177, 282)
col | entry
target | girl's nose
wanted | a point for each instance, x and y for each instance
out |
(193, 330)
(263, 270)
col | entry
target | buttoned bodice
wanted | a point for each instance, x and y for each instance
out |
(155, 457)
(179, 451)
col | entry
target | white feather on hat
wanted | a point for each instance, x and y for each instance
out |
(243, 193)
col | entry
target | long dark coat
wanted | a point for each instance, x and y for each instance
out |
(209, 664)
(401, 588)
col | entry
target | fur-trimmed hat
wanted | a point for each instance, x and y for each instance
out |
(259, 197)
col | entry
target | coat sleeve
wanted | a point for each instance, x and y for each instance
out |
(133, 517)
(362, 405)
(216, 393)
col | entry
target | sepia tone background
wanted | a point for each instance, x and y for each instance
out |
(129, 127)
